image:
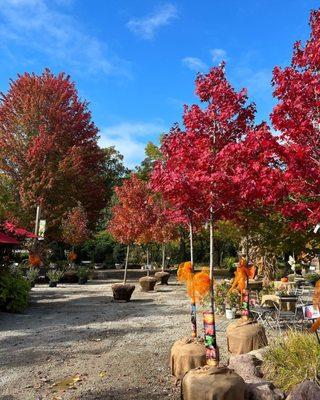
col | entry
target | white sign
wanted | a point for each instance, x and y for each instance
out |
(42, 229)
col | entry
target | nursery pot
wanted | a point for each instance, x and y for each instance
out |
(83, 280)
(230, 313)
(53, 284)
(162, 277)
(147, 283)
(122, 291)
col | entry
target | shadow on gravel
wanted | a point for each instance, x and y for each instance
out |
(133, 393)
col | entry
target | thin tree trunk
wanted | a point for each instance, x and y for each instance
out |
(193, 302)
(212, 352)
(148, 270)
(126, 265)
(163, 256)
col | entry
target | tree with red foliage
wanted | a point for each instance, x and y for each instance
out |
(74, 228)
(297, 117)
(49, 150)
(133, 216)
(185, 174)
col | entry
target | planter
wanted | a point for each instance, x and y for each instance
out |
(53, 284)
(70, 277)
(147, 283)
(230, 313)
(83, 281)
(162, 277)
(122, 291)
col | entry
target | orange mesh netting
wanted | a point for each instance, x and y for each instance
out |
(198, 285)
(316, 303)
(201, 285)
(242, 273)
(185, 273)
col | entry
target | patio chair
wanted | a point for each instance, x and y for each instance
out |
(281, 318)
(310, 315)
(263, 315)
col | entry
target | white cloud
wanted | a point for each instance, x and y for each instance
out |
(146, 27)
(194, 63)
(130, 138)
(218, 55)
(41, 26)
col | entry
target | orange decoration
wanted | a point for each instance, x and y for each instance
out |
(185, 273)
(34, 260)
(201, 284)
(241, 274)
(284, 279)
(72, 256)
(316, 303)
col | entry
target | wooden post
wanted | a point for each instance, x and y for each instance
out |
(36, 227)
(126, 265)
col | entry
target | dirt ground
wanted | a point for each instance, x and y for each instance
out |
(74, 342)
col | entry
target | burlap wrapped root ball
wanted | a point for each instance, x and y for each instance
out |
(244, 336)
(147, 283)
(212, 383)
(162, 277)
(187, 353)
(122, 291)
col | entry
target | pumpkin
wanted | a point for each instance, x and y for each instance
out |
(285, 279)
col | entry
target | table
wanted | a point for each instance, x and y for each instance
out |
(285, 303)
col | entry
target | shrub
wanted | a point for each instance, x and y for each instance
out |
(32, 275)
(312, 278)
(14, 293)
(292, 359)
(230, 263)
(54, 275)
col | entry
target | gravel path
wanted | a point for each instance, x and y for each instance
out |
(74, 342)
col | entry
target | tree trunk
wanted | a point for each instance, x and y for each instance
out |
(126, 265)
(148, 270)
(163, 256)
(212, 352)
(193, 302)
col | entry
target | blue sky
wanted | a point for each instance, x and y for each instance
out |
(135, 61)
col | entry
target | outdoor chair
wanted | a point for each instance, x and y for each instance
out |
(263, 315)
(279, 318)
(310, 315)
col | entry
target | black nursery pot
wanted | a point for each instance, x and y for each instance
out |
(53, 284)
(83, 281)
(122, 292)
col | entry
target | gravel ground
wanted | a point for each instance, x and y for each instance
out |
(74, 342)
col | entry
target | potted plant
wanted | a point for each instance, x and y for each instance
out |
(32, 275)
(221, 290)
(232, 303)
(54, 276)
(83, 274)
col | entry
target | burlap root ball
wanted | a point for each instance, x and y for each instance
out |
(186, 353)
(244, 336)
(147, 283)
(122, 292)
(162, 277)
(212, 383)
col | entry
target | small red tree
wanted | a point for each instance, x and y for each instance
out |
(297, 117)
(133, 216)
(49, 149)
(75, 228)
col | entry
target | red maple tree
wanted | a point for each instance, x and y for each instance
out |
(49, 149)
(296, 116)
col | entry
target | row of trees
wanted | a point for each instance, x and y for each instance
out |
(223, 166)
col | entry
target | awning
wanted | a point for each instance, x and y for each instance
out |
(15, 231)
(5, 239)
